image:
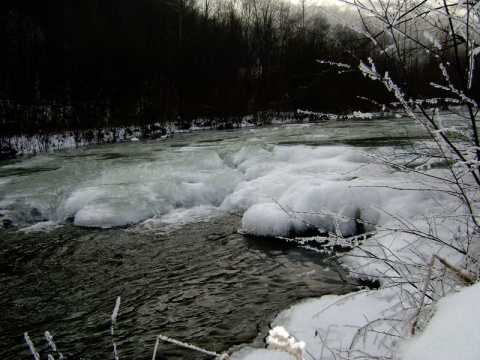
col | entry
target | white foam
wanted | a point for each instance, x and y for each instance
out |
(177, 218)
(133, 193)
(45, 226)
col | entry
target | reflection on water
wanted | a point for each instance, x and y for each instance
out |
(205, 284)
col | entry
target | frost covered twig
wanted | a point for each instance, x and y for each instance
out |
(115, 314)
(52, 345)
(188, 346)
(33, 351)
(114, 320)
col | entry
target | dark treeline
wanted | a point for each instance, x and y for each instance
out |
(73, 64)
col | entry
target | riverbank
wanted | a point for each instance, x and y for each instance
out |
(369, 324)
(21, 144)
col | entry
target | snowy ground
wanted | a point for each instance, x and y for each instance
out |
(329, 326)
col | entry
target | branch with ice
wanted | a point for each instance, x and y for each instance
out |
(115, 314)
(340, 65)
(334, 63)
(433, 40)
(114, 320)
(52, 345)
(188, 346)
(33, 351)
(472, 53)
(369, 71)
(451, 88)
(390, 85)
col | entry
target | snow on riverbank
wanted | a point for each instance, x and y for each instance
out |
(39, 143)
(378, 323)
(21, 144)
(281, 194)
(330, 328)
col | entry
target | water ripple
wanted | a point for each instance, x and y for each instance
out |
(206, 284)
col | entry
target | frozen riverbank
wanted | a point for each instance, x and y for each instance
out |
(21, 144)
(358, 325)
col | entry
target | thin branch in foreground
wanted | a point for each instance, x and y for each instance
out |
(464, 277)
(33, 351)
(52, 345)
(114, 320)
(188, 346)
(422, 297)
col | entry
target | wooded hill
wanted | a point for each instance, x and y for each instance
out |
(72, 64)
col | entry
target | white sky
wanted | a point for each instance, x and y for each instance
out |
(318, 2)
(327, 3)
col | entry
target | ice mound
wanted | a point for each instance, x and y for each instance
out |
(327, 187)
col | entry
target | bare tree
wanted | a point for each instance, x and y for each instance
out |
(425, 56)
(449, 32)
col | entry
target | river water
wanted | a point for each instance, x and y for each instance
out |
(157, 223)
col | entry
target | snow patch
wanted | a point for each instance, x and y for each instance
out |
(328, 324)
(453, 331)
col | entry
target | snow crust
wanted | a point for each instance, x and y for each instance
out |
(261, 183)
(327, 325)
(156, 195)
(452, 333)
(118, 198)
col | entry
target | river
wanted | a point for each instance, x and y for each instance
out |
(158, 224)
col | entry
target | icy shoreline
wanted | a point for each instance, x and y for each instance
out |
(29, 145)
(335, 327)
(377, 323)
(17, 145)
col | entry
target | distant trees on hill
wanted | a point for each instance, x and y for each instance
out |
(99, 63)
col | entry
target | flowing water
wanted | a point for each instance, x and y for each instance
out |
(155, 223)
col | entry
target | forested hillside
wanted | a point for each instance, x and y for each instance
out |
(72, 64)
